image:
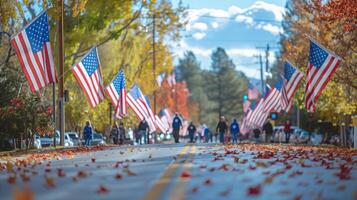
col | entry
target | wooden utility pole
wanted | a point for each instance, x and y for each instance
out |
(154, 60)
(261, 73)
(61, 72)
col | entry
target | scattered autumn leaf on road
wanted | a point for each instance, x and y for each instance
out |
(185, 174)
(102, 190)
(254, 190)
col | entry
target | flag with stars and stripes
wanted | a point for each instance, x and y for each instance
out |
(273, 100)
(138, 104)
(322, 65)
(89, 77)
(292, 78)
(116, 91)
(33, 49)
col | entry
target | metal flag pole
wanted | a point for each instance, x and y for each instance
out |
(61, 72)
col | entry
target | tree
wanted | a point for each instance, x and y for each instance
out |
(225, 86)
(328, 24)
(188, 70)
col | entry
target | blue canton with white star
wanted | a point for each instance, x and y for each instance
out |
(147, 101)
(317, 55)
(279, 84)
(90, 61)
(289, 70)
(119, 81)
(37, 33)
(135, 92)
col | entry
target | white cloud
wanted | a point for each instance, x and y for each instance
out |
(275, 30)
(199, 35)
(215, 25)
(278, 11)
(245, 19)
(199, 26)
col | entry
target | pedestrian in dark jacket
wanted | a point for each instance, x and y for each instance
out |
(268, 130)
(234, 131)
(143, 131)
(176, 125)
(114, 133)
(191, 131)
(222, 129)
(121, 133)
(88, 134)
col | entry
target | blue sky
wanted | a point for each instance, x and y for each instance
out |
(242, 27)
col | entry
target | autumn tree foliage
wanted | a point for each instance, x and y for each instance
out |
(333, 25)
(174, 97)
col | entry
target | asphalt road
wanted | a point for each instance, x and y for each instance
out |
(179, 171)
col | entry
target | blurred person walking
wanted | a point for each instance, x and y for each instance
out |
(268, 131)
(221, 129)
(88, 134)
(143, 130)
(176, 125)
(114, 133)
(287, 130)
(121, 133)
(234, 129)
(191, 131)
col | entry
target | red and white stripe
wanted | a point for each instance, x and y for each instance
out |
(140, 110)
(119, 103)
(92, 85)
(317, 80)
(273, 101)
(161, 124)
(38, 67)
(257, 117)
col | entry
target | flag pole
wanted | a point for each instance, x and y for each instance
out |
(54, 112)
(61, 72)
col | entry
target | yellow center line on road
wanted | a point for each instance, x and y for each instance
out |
(164, 180)
(179, 190)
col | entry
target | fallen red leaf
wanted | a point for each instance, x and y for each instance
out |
(185, 174)
(60, 172)
(208, 181)
(11, 179)
(254, 190)
(102, 189)
(93, 159)
(81, 174)
(118, 176)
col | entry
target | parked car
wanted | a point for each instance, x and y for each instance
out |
(46, 141)
(74, 138)
(98, 139)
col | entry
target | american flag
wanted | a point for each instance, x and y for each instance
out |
(171, 79)
(244, 129)
(89, 77)
(257, 116)
(273, 100)
(149, 110)
(161, 125)
(137, 103)
(322, 64)
(166, 116)
(116, 90)
(292, 78)
(246, 105)
(253, 92)
(33, 49)
(160, 78)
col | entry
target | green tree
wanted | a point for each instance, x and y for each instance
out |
(225, 86)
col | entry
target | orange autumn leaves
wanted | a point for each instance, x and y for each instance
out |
(174, 97)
